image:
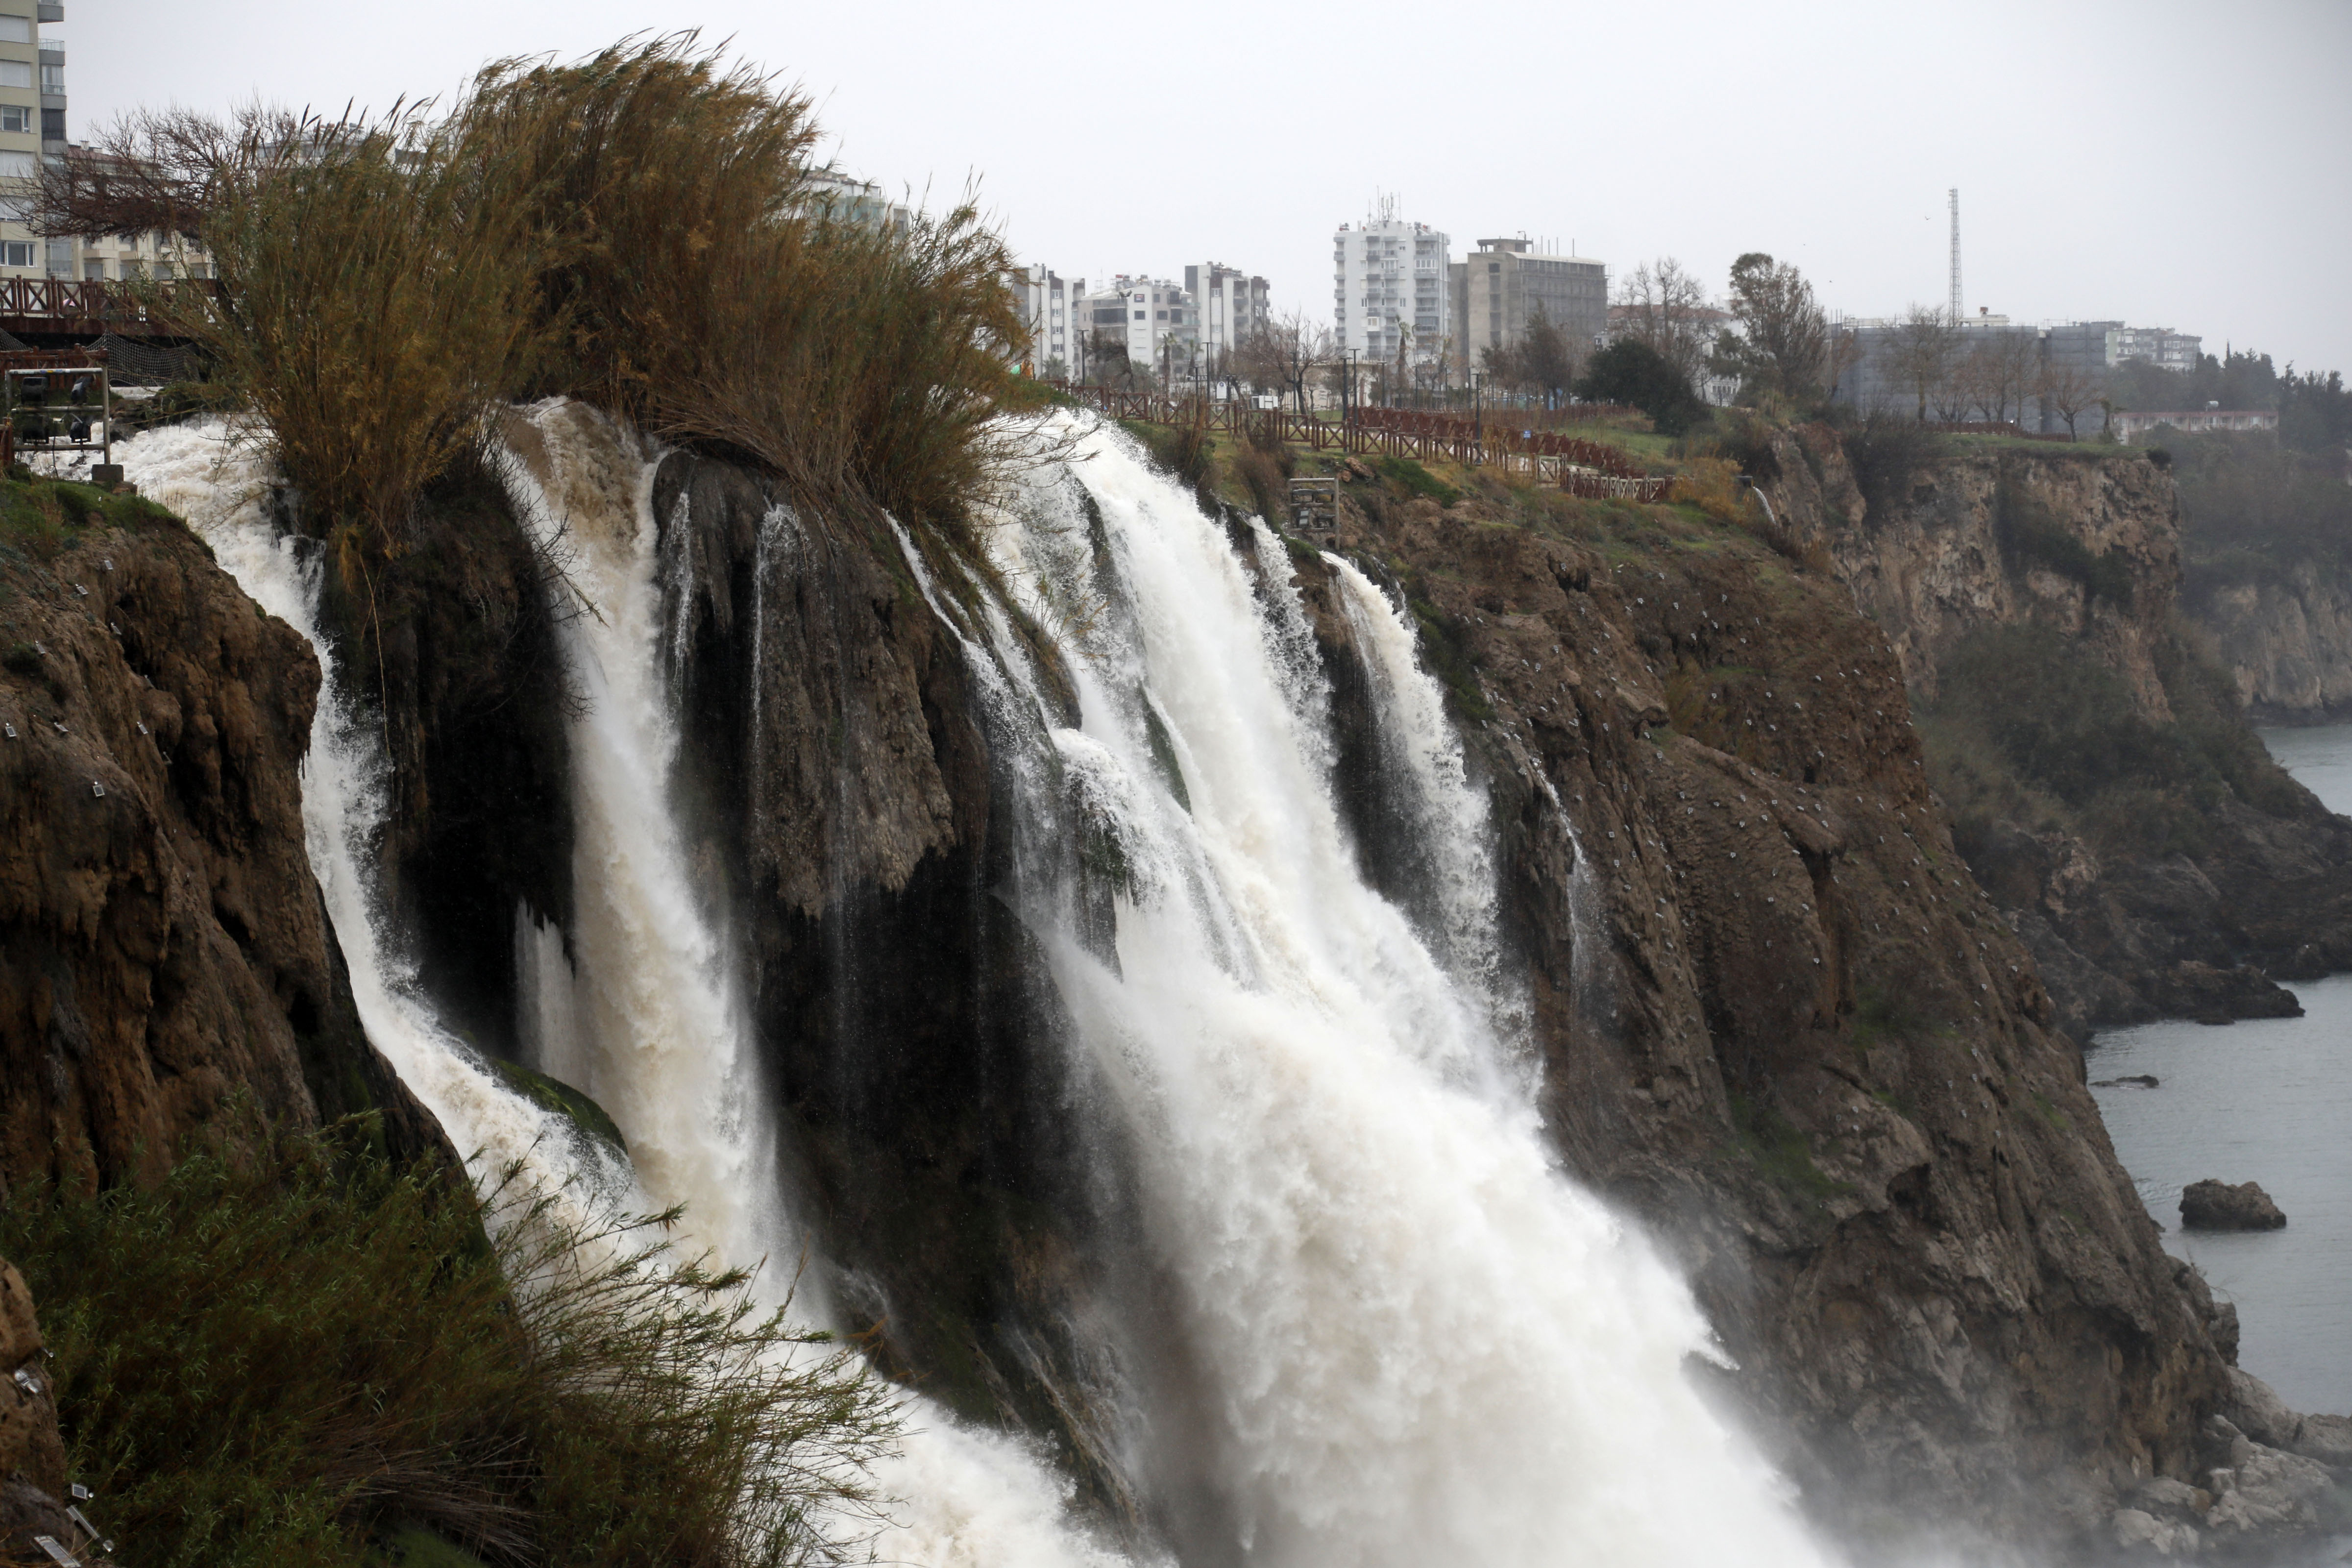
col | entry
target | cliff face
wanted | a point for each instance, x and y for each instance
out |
(162, 946)
(2287, 645)
(1789, 1030)
(1809, 1050)
(2157, 863)
(1779, 1021)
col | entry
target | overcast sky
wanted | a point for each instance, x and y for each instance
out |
(2174, 164)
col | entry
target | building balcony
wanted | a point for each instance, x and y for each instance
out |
(51, 12)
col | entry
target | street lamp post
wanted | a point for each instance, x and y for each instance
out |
(1477, 415)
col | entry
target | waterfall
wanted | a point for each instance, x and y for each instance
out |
(221, 487)
(658, 1034)
(1423, 1342)
(1418, 1342)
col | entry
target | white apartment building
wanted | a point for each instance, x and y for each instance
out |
(1391, 287)
(32, 129)
(1050, 307)
(2153, 346)
(1230, 305)
(844, 196)
(1146, 316)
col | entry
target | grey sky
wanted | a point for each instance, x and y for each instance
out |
(2176, 165)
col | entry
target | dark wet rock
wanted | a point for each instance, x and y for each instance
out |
(2129, 1080)
(2214, 996)
(163, 949)
(2216, 1206)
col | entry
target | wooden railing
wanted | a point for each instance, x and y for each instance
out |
(67, 305)
(1580, 466)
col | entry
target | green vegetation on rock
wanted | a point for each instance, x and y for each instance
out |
(288, 1351)
(2033, 729)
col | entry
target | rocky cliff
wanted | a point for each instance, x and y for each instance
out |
(2096, 761)
(2287, 644)
(1796, 1037)
(1811, 1051)
(1778, 1018)
(163, 949)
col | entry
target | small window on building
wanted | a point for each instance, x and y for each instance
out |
(16, 73)
(16, 253)
(19, 166)
(53, 78)
(53, 125)
(16, 29)
(133, 270)
(93, 270)
(14, 209)
(1143, 315)
(17, 118)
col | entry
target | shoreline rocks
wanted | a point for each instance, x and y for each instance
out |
(2212, 1205)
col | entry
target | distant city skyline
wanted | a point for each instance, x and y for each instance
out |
(2171, 164)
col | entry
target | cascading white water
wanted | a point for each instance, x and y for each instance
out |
(220, 488)
(649, 1017)
(645, 1014)
(1424, 1344)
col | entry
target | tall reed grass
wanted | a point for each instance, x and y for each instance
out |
(289, 1350)
(638, 228)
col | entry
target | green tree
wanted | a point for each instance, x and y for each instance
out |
(1631, 371)
(1781, 346)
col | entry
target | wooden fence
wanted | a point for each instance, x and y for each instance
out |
(1579, 467)
(84, 309)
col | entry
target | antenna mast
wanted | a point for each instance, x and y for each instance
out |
(1955, 254)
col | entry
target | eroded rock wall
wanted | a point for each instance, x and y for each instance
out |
(2287, 645)
(162, 946)
(2087, 545)
(1789, 1029)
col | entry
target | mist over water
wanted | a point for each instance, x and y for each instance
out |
(1410, 1339)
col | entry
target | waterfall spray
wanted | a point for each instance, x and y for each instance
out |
(1417, 1341)
(1426, 1344)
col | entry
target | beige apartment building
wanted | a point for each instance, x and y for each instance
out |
(32, 113)
(1504, 283)
(32, 127)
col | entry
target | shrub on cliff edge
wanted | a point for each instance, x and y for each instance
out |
(289, 1351)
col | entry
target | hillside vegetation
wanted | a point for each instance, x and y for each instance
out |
(290, 1351)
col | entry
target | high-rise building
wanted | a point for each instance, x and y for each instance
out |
(32, 122)
(1499, 287)
(1229, 304)
(1050, 307)
(1389, 291)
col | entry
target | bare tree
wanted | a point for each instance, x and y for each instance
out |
(2070, 391)
(1287, 353)
(1546, 359)
(1923, 351)
(1998, 373)
(1107, 355)
(1667, 308)
(1842, 353)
